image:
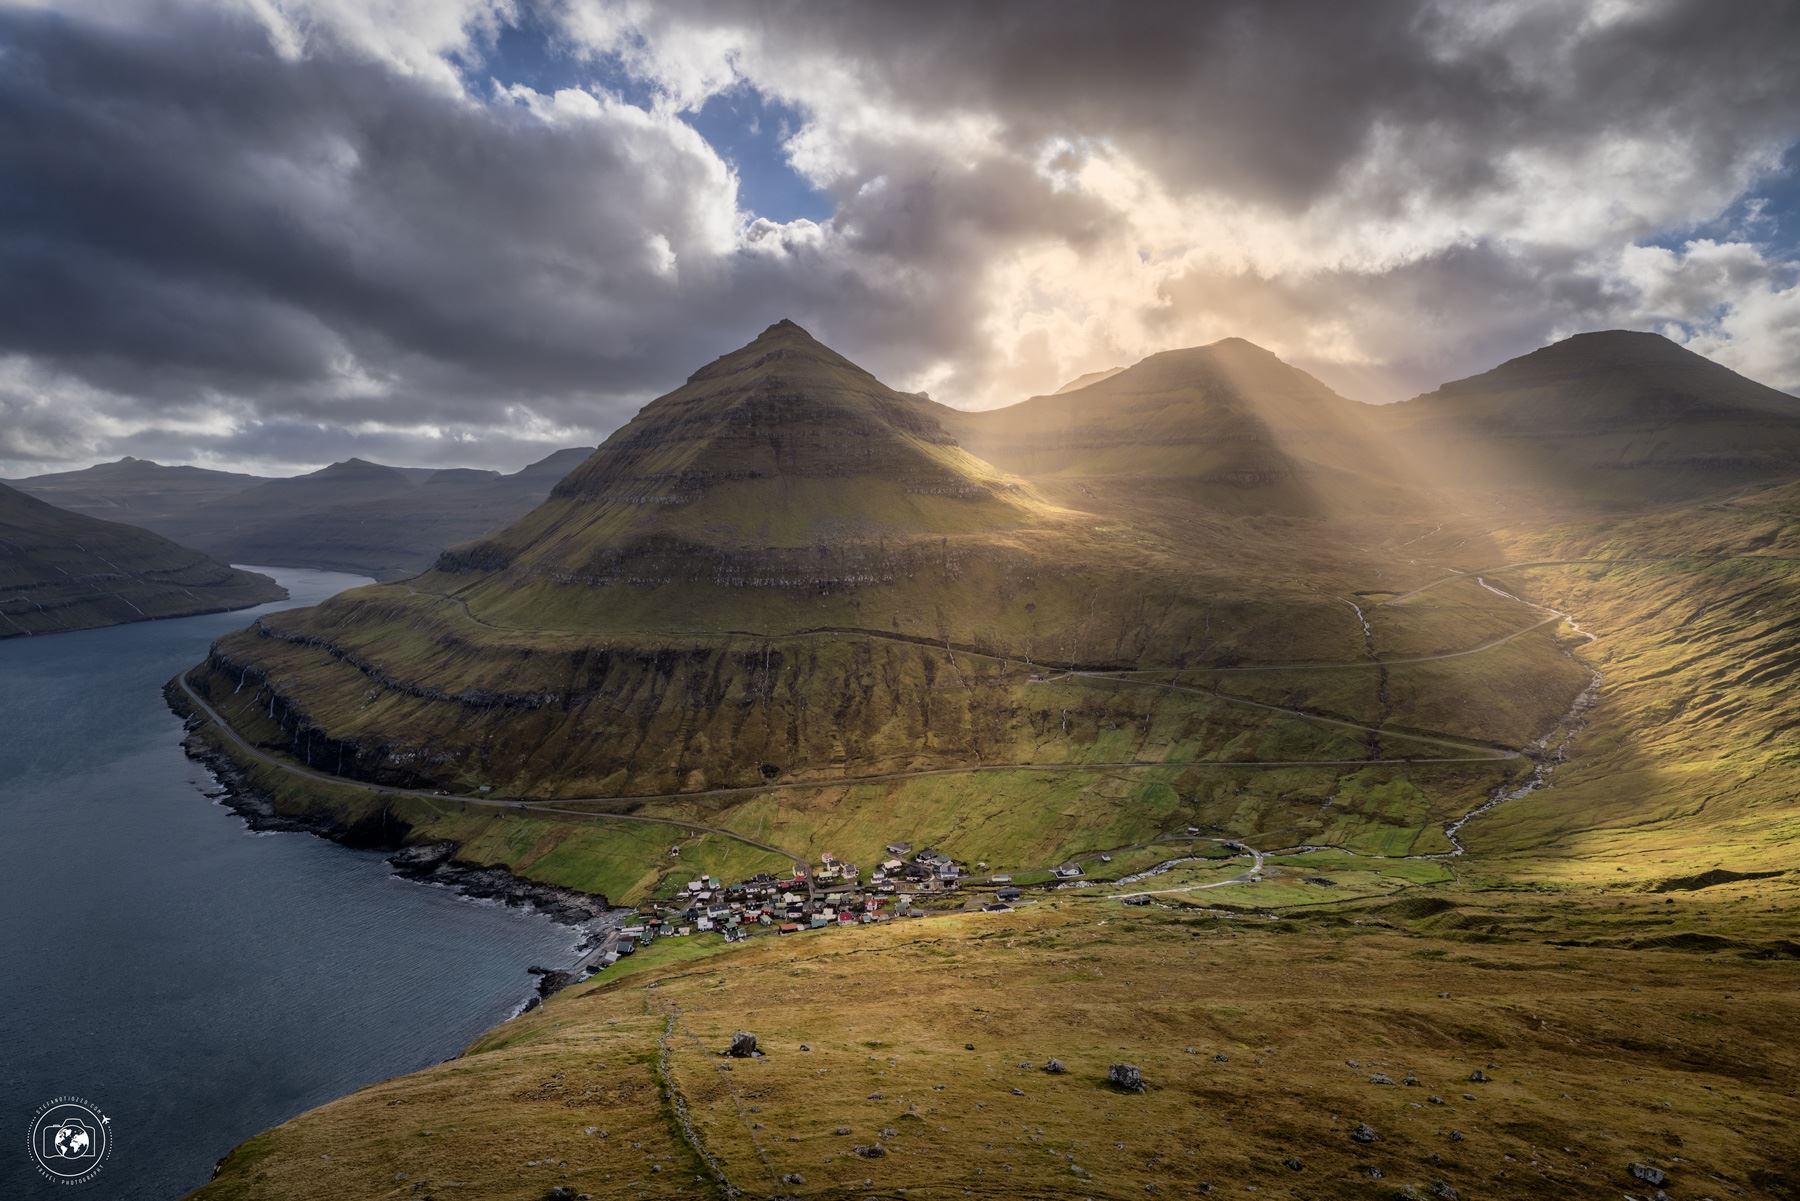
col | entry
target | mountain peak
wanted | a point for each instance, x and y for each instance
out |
(784, 348)
(1632, 368)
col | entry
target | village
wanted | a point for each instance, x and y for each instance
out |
(831, 893)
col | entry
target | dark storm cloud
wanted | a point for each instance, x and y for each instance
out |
(218, 244)
(1278, 100)
(189, 200)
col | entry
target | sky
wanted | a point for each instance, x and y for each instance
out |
(270, 234)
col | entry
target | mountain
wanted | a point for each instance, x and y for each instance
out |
(1228, 424)
(136, 491)
(781, 459)
(1082, 381)
(1424, 788)
(354, 516)
(1609, 418)
(783, 568)
(66, 571)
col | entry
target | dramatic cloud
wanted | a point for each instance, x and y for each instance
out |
(277, 232)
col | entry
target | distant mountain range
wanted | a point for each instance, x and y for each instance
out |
(66, 571)
(352, 516)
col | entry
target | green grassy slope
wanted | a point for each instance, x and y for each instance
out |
(1083, 667)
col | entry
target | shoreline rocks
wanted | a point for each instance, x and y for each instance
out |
(432, 863)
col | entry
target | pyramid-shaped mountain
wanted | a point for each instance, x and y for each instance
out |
(780, 462)
(781, 567)
(1230, 423)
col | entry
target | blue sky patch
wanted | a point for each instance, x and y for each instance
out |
(745, 127)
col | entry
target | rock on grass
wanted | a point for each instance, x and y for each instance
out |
(1126, 1077)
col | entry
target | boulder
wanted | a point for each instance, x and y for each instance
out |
(1055, 1067)
(1650, 1175)
(1365, 1133)
(1125, 1077)
(743, 1045)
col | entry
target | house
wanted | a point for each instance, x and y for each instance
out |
(1067, 871)
(1001, 879)
(899, 848)
(790, 927)
(626, 946)
(820, 920)
(1009, 894)
(996, 908)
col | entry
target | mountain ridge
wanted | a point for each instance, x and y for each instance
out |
(63, 571)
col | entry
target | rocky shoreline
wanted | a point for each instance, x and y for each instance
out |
(432, 863)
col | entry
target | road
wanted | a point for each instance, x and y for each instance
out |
(513, 804)
(1472, 752)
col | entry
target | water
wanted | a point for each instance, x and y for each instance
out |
(196, 981)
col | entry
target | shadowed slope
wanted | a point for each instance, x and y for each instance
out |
(136, 491)
(782, 570)
(1608, 418)
(64, 571)
(350, 516)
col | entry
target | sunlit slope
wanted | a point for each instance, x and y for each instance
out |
(65, 571)
(911, 1057)
(1227, 424)
(1613, 418)
(1691, 761)
(786, 570)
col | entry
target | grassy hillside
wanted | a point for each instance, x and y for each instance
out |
(908, 1060)
(1480, 783)
(63, 571)
(1229, 425)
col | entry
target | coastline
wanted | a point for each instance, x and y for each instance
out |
(592, 916)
